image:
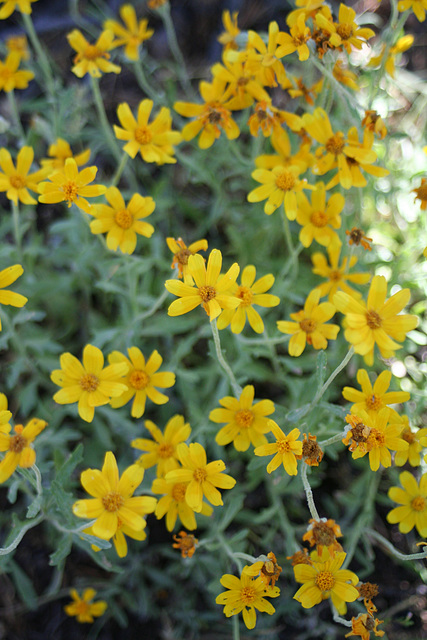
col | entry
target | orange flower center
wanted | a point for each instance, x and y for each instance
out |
(247, 595)
(139, 379)
(178, 492)
(345, 31)
(200, 475)
(143, 135)
(17, 181)
(113, 501)
(325, 580)
(89, 382)
(373, 319)
(245, 295)
(335, 276)
(70, 190)
(17, 443)
(166, 450)
(422, 191)
(124, 219)
(182, 256)
(261, 114)
(283, 446)
(322, 534)
(307, 325)
(373, 402)
(335, 144)
(215, 115)
(285, 181)
(376, 439)
(319, 219)
(244, 418)
(360, 432)
(92, 53)
(242, 81)
(408, 435)
(82, 607)
(418, 503)
(207, 293)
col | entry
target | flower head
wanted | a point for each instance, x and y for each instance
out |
(132, 35)
(337, 275)
(363, 625)
(186, 543)
(59, 151)
(92, 58)
(7, 277)
(286, 448)
(19, 452)
(357, 237)
(162, 449)
(9, 6)
(374, 397)
(173, 504)
(228, 37)
(16, 180)
(413, 500)
(20, 45)
(279, 185)
(323, 533)
(345, 33)
(10, 76)
(266, 568)
(319, 218)
(181, 253)
(419, 7)
(416, 440)
(296, 40)
(83, 608)
(311, 453)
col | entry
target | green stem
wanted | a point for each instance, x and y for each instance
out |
(17, 229)
(337, 618)
(308, 492)
(332, 377)
(237, 389)
(236, 627)
(290, 246)
(119, 169)
(15, 114)
(362, 521)
(144, 83)
(286, 526)
(38, 475)
(153, 309)
(337, 438)
(341, 91)
(395, 552)
(165, 14)
(224, 545)
(104, 120)
(33, 523)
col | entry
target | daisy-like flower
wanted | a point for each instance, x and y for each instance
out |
(346, 33)
(132, 35)
(18, 44)
(19, 452)
(154, 140)
(319, 218)
(419, 7)
(141, 380)
(204, 478)
(358, 237)
(249, 293)
(266, 568)
(122, 223)
(71, 186)
(374, 125)
(413, 500)
(308, 93)
(242, 85)
(83, 606)
(181, 253)
(323, 533)
(186, 543)
(173, 505)
(416, 440)
(363, 625)
(211, 290)
(421, 192)
(345, 76)
(246, 422)
(112, 498)
(403, 44)
(312, 454)
(267, 118)
(310, 325)
(228, 37)
(278, 186)
(284, 156)
(59, 151)
(92, 58)
(337, 275)
(244, 595)
(16, 180)
(9, 6)
(7, 277)
(376, 321)
(374, 397)
(325, 579)
(295, 41)
(10, 76)
(286, 448)
(89, 384)
(161, 450)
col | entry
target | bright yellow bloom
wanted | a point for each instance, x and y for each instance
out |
(7, 277)
(337, 275)
(296, 41)
(246, 422)
(161, 450)
(132, 35)
(278, 186)
(309, 326)
(89, 384)
(153, 140)
(9, 6)
(71, 186)
(211, 290)
(173, 505)
(122, 223)
(249, 293)
(203, 477)
(345, 76)
(419, 7)
(325, 579)
(376, 321)
(18, 447)
(319, 218)
(59, 152)
(286, 448)
(5, 415)
(212, 117)
(244, 595)
(113, 502)
(416, 440)
(141, 380)
(345, 33)
(284, 156)
(186, 543)
(422, 194)
(413, 498)
(10, 76)
(373, 124)
(20, 45)
(403, 44)
(83, 608)
(92, 58)
(243, 88)
(182, 253)
(17, 181)
(228, 37)
(372, 398)
(363, 625)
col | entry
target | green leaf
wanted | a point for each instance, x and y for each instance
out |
(23, 585)
(297, 414)
(34, 507)
(320, 373)
(63, 550)
(231, 510)
(64, 473)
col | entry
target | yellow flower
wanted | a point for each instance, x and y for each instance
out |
(113, 502)
(18, 447)
(132, 35)
(122, 223)
(119, 538)
(345, 76)
(278, 186)
(309, 326)
(59, 152)
(153, 140)
(17, 181)
(372, 398)
(296, 41)
(286, 448)
(211, 290)
(244, 595)
(325, 579)
(83, 608)
(357, 237)
(71, 186)
(228, 37)
(162, 448)
(182, 253)
(323, 533)
(7, 277)
(422, 194)
(374, 124)
(242, 85)
(363, 625)
(284, 156)
(249, 293)
(267, 118)
(10, 76)
(92, 58)
(267, 569)
(89, 384)
(416, 440)
(186, 543)
(376, 321)
(337, 275)
(19, 44)
(141, 380)
(419, 7)
(9, 6)
(318, 218)
(5, 415)
(203, 477)
(246, 422)
(308, 93)
(173, 504)
(346, 33)
(413, 498)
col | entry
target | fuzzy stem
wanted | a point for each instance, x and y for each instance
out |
(237, 389)
(15, 114)
(165, 14)
(290, 246)
(33, 523)
(236, 627)
(332, 377)
(362, 521)
(337, 438)
(119, 169)
(17, 229)
(144, 83)
(395, 552)
(309, 493)
(104, 120)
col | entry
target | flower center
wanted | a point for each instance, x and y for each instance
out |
(376, 439)
(418, 503)
(261, 114)
(82, 607)
(307, 325)
(244, 418)
(311, 450)
(319, 218)
(182, 256)
(373, 319)
(178, 492)
(92, 52)
(112, 501)
(283, 446)
(139, 379)
(335, 276)
(207, 293)
(17, 443)
(268, 568)
(335, 144)
(247, 595)
(323, 534)
(408, 435)
(360, 432)
(89, 382)
(70, 190)
(199, 475)
(124, 219)
(374, 402)
(143, 135)
(166, 450)
(422, 192)
(285, 181)
(242, 81)
(325, 580)
(345, 31)
(245, 295)
(17, 181)
(214, 115)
